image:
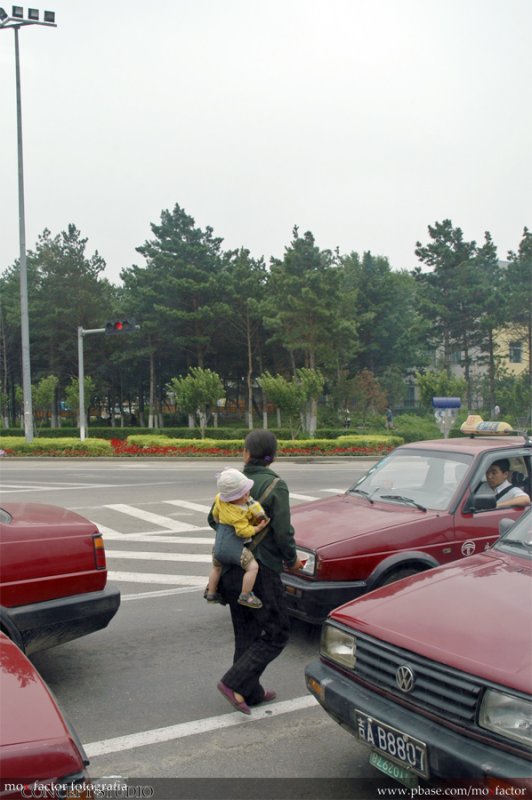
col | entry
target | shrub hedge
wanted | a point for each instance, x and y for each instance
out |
(55, 447)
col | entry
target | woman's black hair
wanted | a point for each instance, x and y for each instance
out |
(261, 446)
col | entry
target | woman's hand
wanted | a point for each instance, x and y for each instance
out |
(298, 565)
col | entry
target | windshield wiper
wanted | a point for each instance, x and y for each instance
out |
(363, 493)
(517, 543)
(402, 499)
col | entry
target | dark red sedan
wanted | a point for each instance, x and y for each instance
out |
(37, 745)
(53, 576)
(425, 504)
(434, 673)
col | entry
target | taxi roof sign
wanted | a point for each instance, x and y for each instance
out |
(475, 426)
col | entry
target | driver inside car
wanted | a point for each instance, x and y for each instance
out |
(506, 495)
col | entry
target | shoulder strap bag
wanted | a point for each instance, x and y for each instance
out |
(260, 536)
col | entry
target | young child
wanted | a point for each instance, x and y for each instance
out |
(238, 518)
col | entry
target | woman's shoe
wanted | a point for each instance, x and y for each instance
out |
(230, 697)
(212, 597)
(269, 695)
(250, 600)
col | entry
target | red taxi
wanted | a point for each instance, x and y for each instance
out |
(425, 504)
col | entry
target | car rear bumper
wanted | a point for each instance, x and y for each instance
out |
(53, 622)
(312, 601)
(452, 756)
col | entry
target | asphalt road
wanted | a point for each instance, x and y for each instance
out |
(142, 693)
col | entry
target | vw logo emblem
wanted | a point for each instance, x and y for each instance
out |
(404, 678)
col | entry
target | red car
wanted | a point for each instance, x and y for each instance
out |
(36, 743)
(434, 673)
(424, 505)
(53, 576)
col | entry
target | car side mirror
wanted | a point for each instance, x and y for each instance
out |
(482, 500)
(505, 524)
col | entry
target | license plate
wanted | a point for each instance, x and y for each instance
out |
(401, 748)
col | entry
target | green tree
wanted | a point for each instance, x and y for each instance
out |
(44, 397)
(303, 304)
(439, 384)
(72, 396)
(449, 290)
(518, 285)
(312, 383)
(176, 297)
(288, 396)
(197, 393)
(368, 395)
(391, 331)
(240, 337)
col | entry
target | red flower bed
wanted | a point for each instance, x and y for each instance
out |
(122, 448)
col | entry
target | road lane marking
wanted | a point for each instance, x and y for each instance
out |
(334, 491)
(197, 726)
(140, 555)
(151, 577)
(190, 506)
(159, 593)
(148, 538)
(302, 496)
(147, 516)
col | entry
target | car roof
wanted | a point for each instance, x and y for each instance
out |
(471, 444)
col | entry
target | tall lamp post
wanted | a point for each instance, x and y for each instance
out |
(17, 20)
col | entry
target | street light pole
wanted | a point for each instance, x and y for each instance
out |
(16, 21)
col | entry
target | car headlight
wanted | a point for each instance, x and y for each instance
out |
(309, 561)
(507, 715)
(338, 645)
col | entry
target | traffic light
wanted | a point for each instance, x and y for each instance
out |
(113, 326)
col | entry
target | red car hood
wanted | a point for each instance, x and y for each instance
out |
(473, 615)
(344, 517)
(35, 742)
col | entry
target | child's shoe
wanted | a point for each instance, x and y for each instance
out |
(250, 600)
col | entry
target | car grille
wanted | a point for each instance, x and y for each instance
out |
(439, 689)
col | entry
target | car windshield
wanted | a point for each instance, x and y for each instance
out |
(418, 478)
(4, 516)
(519, 536)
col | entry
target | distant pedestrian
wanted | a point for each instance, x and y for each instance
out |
(496, 411)
(389, 419)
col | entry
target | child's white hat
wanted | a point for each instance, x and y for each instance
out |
(232, 484)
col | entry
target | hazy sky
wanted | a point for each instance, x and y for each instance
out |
(363, 121)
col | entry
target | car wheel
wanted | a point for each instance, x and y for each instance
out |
(397, 574)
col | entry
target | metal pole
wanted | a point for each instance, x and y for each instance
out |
(24, 316)
(81, 381)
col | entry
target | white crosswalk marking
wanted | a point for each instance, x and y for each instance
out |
(172, 732)
(147, 516)
(190, 506)
(152, 537)
(151, 556)
(294, 496)
(150, 577)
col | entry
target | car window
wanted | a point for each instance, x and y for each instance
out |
(429, 479)
(4, 516)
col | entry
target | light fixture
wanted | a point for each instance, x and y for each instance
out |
(33, 14)
(3, 15)
(17, 12)
(49, 16)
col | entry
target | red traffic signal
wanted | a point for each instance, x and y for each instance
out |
(113, 326)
